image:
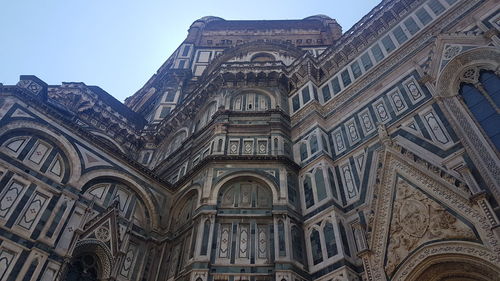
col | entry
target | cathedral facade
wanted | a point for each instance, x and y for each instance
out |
(280, 150)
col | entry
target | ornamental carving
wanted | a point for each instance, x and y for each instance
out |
(393, 244)
(102, 233)
(417, 219)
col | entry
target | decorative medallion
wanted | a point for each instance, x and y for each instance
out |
(414, 217)
(102, 233)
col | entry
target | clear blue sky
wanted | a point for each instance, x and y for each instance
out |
(119, 45)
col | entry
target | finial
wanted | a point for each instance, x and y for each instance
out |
(383, 136)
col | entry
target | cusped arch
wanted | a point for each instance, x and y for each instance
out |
(34, 128)
(459, 259)
(448, 82)
(237, 176)
(100, 250)
(103, 175)
(475, 141)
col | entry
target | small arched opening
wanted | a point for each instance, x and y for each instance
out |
(90, 262)
(262, 57)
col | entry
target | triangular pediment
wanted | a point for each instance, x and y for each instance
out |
(415, 205)
(104, 228)
(21, 113)
(448, 46)
(416, 219)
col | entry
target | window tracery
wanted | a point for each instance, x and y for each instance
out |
(480, 91)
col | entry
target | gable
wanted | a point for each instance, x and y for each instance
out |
(417, 205)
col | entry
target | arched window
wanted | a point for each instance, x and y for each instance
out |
(250, 101)
(281, 238)
(320, 184)
(308, 193)
(331, 246)
(183, 211)
(204, 242)
(297, 247)
(316, 251)
(205, 116)
(345, 242)
(246, 195)
(331, 180)
(491, 83)
(219, 145)
(313, 142)
(292, 189)
(177, 140)
(84, 267)
(483, 101)
(303, 151)
(325, 143)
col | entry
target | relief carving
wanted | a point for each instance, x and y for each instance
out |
(417, 219)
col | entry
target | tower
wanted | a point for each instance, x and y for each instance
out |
(268, 150)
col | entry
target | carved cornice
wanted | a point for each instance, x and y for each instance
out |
(212, 159)
(87, 105)
(240, 50)
(230, 74)
(221, 115)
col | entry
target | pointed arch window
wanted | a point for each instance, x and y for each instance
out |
(320, 184)
(308, 193)
(331, 245)
(331, 180)
(297, 248)
(316, 251)
(314, 144)
(281, 237)
(292, 189)
(204, 242)
(325, 143)
(482, 98)
(219, 145)
(303, 151)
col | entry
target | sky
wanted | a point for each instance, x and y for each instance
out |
(119, 44)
